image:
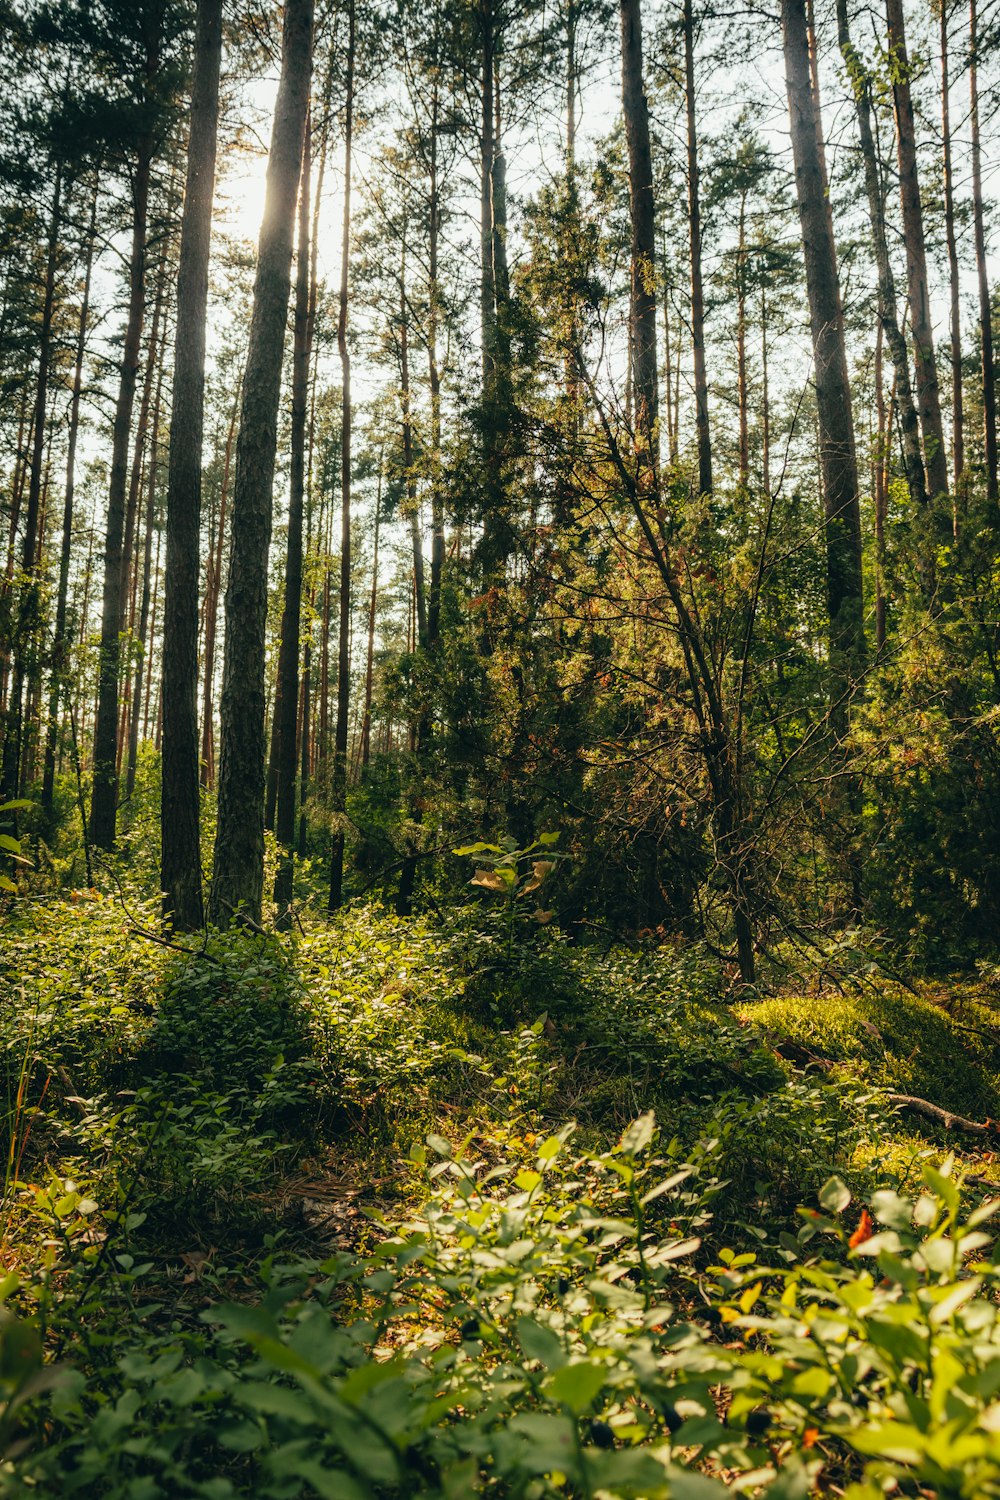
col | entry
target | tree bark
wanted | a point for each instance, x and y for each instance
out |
(339, 786)
(61, 641)
(697, 292)
(642, 321)
(238, 872)
(888, 314)
(928, 395)
(179, 807)
(104, 800)
(833, 392)
(985, 311)
(291, 617)
(213, 589)
(954, 284)
(147, 569)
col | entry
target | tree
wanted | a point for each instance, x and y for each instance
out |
(145, 25)
(291, 618)
(180, 860)
(928, 395)
(341, 734)
(238, 867)
(833, 390)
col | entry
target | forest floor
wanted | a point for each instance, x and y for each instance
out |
(252, 1189)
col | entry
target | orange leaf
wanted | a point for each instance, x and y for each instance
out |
(810, 1436)
(863, 1231)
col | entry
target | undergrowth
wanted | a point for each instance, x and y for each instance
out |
(528, 1308)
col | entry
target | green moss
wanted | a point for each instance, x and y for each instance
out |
(887, 1036)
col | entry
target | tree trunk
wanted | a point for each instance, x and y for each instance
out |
(434, 381)
(888, 316)
(642, 321)
(344, 623)
(954, 283)
(213, 589)
(985, 313)
(487, 279)
(104, 800)
(180, 824)
(147, 569)
(61, 641)
(697, 293)
(833, 392)
(928, 395)
(238, 871)
(291, 617)
(741, 346)
(366, 722)
(27, 613)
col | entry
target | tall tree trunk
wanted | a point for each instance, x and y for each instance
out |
(291, 617)
(487, 275)
(954, 284)
(28, 610)
(741, 346)
(213, 590)
(238, 872)
(434, 381)
(985, 312)
(881, 491)
(154, 354)
(339, 786)
(888, 315)
(104, 800)
(179, 821)
(366, 722)
(147, 570)
(833, 391)
(697, 292)
(61, 640)
(410, 475)
(642, 320)
(928, 395)
(765, 397)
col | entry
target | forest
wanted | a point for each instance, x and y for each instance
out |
(500, 770)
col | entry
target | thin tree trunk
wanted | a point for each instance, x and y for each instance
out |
(147, 569)
(487, 288)
(104, 800)
(765, 398)
(985, 311)
(928, 395)
(888, 315)
(344, 624)
(28, 621)
(366, 722)
(238, 872)
(741, 347)
(833, 392)
(642, 321)
(697, 292)
(291, 618)
(881, 492)
(434, 381)
(61, 640)
(410, 476)
(213, 590)
(954, 285)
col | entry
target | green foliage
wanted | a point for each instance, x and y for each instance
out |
(891, 1037)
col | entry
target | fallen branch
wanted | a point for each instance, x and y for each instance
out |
(943, 1117)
